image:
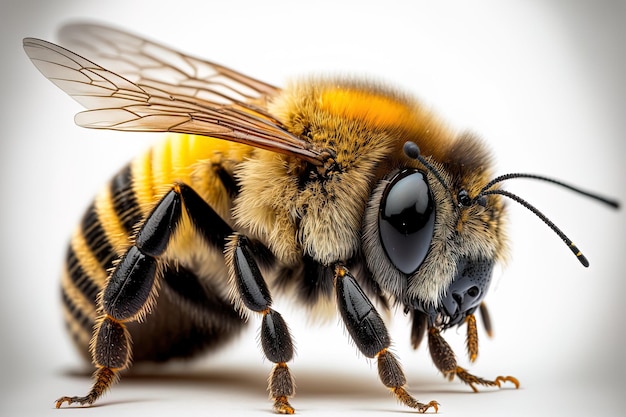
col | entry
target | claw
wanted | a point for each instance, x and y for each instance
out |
(509, 378)
(410, 401)
(470, 379)
(61, 400)
(72, 400)
(433, 404)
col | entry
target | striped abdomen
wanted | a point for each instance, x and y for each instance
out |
(192, 302)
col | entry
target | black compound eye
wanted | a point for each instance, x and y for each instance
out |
(406, 220)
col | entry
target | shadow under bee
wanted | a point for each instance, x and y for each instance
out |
(312, 383)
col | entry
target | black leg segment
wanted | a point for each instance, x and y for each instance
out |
(131, 288)
(369, 332)
(418, 328)
(360, 317)
(250, 283)
(130, 285)
(275, 338)
(253, 294)
(156, 231)
(486, 319)
(112, 346)
(212, 227)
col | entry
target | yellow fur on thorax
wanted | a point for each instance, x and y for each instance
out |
(346, 107)
(376, 110)
(365, 127)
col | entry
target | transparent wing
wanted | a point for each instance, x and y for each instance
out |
(150, 64)
(116, 102)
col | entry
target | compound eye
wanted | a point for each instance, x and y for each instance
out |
(406, 220)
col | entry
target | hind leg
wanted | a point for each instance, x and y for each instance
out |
(130, 291)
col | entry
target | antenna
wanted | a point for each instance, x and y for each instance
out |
(488, 189)
(413, 151)
(583, 260)
(597, 197)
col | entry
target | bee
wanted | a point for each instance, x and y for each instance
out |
(342, 193)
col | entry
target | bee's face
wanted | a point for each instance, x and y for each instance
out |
(372, 202)
(442, 263)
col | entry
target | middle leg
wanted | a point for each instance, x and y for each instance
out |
(252, 294)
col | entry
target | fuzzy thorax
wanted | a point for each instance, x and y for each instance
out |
(298, 210)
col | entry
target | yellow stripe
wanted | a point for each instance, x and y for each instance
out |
(110, 222)
(174, 159)
(141, 171)
(76, 329)
(181, 157)
(87, 260)
(162, 167)
(77, 297)
(188, 159)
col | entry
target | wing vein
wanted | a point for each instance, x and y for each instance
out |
(141, 85)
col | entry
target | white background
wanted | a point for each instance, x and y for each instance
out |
(541, 81)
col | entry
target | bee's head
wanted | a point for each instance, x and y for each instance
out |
(431, 240)
(425, 243)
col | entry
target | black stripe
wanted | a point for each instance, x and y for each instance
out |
(77, 314)
(80, 278)
(124, 201)
(96, 239)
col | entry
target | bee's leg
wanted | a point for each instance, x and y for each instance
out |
(486, 318)
(471, 341)
(131, 289)
(253, 294)
(369, 332)
(418, 328)
(445, 361)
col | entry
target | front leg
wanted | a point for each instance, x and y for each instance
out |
(369, 332)
(252, 294)
(445, 361)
